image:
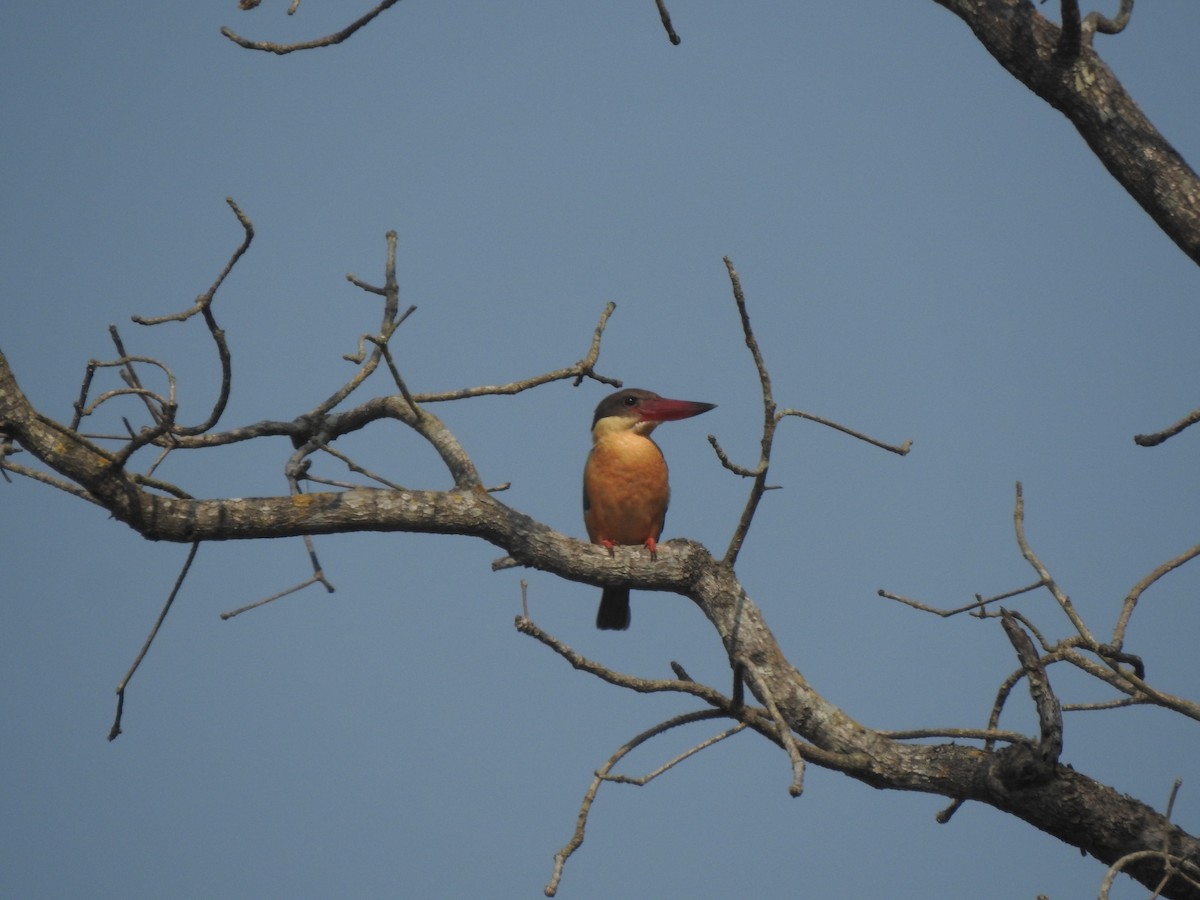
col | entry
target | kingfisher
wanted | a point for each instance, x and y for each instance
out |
(625, 490)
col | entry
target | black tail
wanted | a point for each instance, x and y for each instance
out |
(613, 614)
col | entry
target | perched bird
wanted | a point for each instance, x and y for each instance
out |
(625, 491)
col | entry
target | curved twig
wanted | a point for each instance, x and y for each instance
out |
(1138, 589)
(328, 41)
(602, 775)
(1096, 22)
(203, 306)
(387, 328)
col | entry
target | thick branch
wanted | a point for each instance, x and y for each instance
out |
(1078, 84)
(1068, 805)
(1074, 808)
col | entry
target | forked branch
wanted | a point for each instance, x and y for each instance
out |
(789, 711)
(771, 416)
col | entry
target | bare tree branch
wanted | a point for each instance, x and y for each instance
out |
(1061, 801)
(1082, 87)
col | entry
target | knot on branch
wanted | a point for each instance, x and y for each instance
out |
(1023, 765)
(305, 428)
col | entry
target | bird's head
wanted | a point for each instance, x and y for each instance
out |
(641, 411)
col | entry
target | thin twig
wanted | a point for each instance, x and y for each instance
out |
(730, 464)
(316, 579)
(768, 427)
(369, 288)
(332, 426)
(980, 601)
(203, 306)
(584, 368)
(162, 410)
(898, 449)
(1102, 705)
(770, 725)
(161, 407)
(394, 369)
(158, 460)
(356, 468)
(187, 564)
(1130, 683)
(958, 734)
(387, 328)
(588, 363)
(589, 797)
(24, 471)
(771, 418)
(786, 738)
(1064, 601)
(643, 780)
(129, 374)
(1002, 694)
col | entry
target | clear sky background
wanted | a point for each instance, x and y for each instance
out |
(929, 253)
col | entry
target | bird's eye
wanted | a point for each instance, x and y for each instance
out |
(631, 401)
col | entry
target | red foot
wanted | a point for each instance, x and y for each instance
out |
(608, 545)
(652, 546)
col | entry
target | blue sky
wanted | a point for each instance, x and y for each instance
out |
(929, 253)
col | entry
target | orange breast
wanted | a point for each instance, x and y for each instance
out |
(625, 490)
